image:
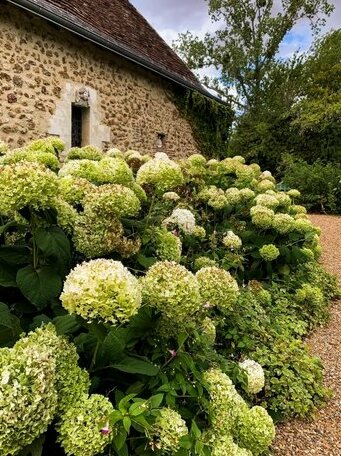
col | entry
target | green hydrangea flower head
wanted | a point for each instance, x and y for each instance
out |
(223, 445)
(199, 232)
(283, 199)
(162, 173)
(304, 226)
(246, 194)
(112, 200)
(265, 185)
(115, 153)
(183, 219)
(293, 193)
(26, 184)
(171, 289)
(51, 144)
(87, 153)
(73, 189)
(102, 290)
(266, 200)
(168, 246)
(71, 382)
(255, 430)
(139, 192)
(32, 156)
(86, 169)
(297, 209)
(262, 217)
(81, 430)
(269, 252)
(115, 171)
(283, 223)
(233, 195)
(226, 405)
(255, 375)
(95, 236)
(66, 215)
(167, 430)
(196, 160)
(232, 241)
(203, 262)
(266, 175)
(208, 332)
(217, 287)
(213, 197)
(28, 398)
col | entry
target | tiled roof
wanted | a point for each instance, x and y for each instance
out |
(119, 23)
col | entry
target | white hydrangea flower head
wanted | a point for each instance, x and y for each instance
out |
(171, 289)
(66, 215)
(203, 262)
(217, 287)
(232, 241)
(255, 430)
(171, 196)
(239, 158)
(208, 331)
(115, 153)
(199, 232)
(26, 184)
(183, 219)
(255, 375)
(283, 223)
(246, 194)
(223, 445)
(196, 160)
(80, 430)
(168, 429)
(266, 175)
(304, 226)
(102, 290)
(115, 171)
(214, 197)
(283, 199)
(297, 209)
(3, 148)
(162, 173)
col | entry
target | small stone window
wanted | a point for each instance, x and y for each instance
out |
(80, 126)
(161, 141)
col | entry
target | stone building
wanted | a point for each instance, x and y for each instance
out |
(90, 72)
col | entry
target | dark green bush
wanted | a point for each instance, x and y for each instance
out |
(319, 184)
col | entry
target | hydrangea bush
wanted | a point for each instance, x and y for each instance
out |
(152, 306)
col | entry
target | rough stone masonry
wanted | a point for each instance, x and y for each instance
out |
(43, 66)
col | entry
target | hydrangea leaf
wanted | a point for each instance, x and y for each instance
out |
(132, 365)
(39, 286)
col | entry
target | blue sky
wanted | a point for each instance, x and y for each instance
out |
(171, 17)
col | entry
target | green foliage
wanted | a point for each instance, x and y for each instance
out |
(210, 120)
(319, 183)
(169, 347)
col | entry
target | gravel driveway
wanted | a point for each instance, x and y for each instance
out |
(321, 437)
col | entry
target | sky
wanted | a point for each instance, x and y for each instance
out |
(171, 17)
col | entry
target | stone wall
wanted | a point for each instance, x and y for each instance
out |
(42, 66)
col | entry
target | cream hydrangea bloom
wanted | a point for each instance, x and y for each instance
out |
(168, 429)
(87, 153)
(171, 196)
(79, 431)
(261, 216)
(183, 219)
(168, 246)
(171, 289)
(102, 289)
(26, 184)
(232, 241)
(283, 223)
(217, 287)
(73, 189)
(267, 200)
(203, 262)
(255, 375)
(26, 155)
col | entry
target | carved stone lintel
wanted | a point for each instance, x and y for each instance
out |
(82, 97)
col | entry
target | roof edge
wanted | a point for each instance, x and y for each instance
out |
(110, 45)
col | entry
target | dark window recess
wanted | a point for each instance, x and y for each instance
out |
(77, 127)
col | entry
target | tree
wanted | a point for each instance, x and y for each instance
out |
(244, 47)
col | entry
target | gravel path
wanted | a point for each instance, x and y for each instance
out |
(321, 437)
